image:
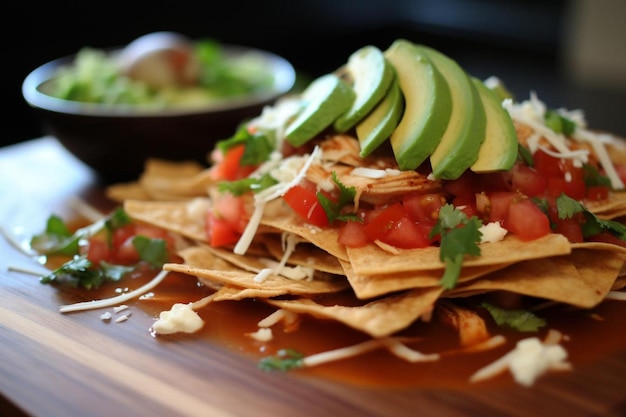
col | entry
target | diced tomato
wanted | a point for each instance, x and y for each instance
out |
(405, 234)
(228, 166)
(303, 200)
(423, 207)
(231, 209)
(547, 165)
(122, 234)
(464, 186)
(575, 188)
(527, 181)
(219, 231)
(352, 234)
(383, 221)
(126, 254)
(526, 220)
(499, 206)
(570, 228)
(98, 250)
(467, 205)
(597, 192)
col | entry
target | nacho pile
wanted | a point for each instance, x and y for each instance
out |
(319, 229)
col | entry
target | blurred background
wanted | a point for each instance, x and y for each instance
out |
(570, 52)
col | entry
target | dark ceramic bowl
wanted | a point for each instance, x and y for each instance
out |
(115, 142)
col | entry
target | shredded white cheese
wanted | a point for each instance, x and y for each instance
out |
(109, 302)
(532, 112)
(528, 361)
(269, 194)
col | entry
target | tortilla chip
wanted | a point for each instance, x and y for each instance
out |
(369, 286)
(305, 254)
(612, 207)
(581, 279)
(325, 239)
(127, 191)
(183, 217)
(372, 260)
(378, 318)
(201, 263)
(173, 180)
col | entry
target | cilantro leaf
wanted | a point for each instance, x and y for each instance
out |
(459, 237)
(332, 208)
(521, 320)
(242, 186)
(567, 207)
(56, 239)
(78, 272)
(258, 145)
(153, 251)
(284, 360)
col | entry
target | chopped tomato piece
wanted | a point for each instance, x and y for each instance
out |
(352, 234)
(527, 181)
(547, 165)
(597, 192)
(98, 250)
(423, 207)
(558, 185)
(303, 200)
(526, 220)
(393, 226)
(498, 206)
(570, 228)
(228, 166)
(219, 231)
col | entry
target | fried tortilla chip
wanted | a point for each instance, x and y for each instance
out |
(374, 285)
(201, 263)
(305, 254)
(378, 318)
(184, 217)
(372, 260)
(582, 278)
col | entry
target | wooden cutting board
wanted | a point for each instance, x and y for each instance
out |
(77, 365)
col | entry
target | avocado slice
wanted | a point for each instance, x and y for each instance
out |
(459, 146)
(382, 121)
(325, 99)
(499, 149)
(428, 104)
(370, 76)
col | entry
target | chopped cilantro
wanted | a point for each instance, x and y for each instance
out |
(459, 237)
(559, 123)
(567, 207)
(332, 208)
(284, 360)
(521, 320)
(56, 239)
(258, 145)
(240, 187)
(80, 272)
(153, 251)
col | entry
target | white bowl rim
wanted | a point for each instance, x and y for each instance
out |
(284, 80)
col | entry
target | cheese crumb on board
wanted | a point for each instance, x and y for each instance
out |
(180, 318)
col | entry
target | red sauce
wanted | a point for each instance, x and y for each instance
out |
(228, 322)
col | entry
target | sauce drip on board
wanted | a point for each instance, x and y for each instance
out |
(228, 324)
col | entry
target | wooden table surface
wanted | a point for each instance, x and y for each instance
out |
(77, 365)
